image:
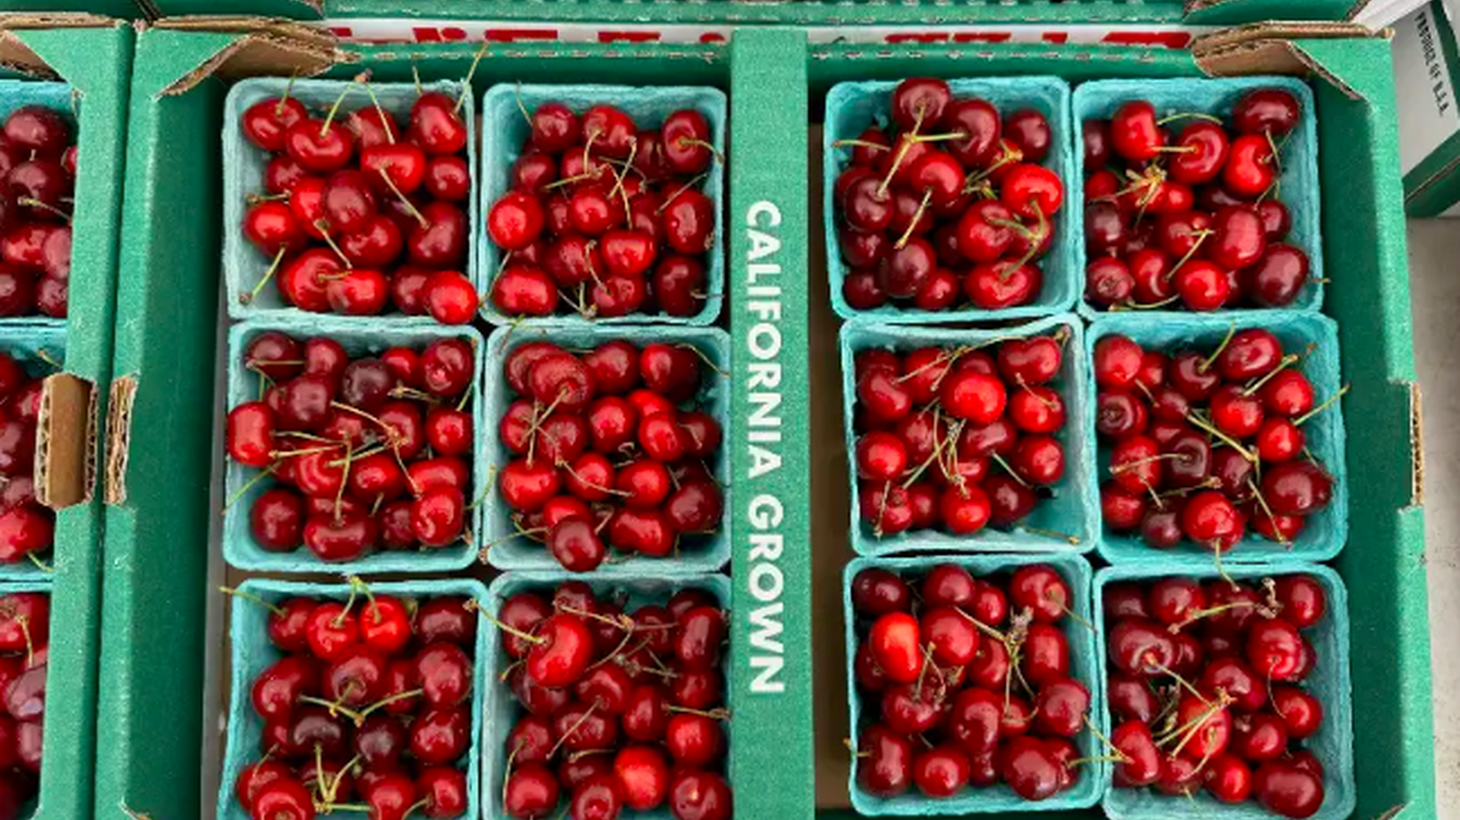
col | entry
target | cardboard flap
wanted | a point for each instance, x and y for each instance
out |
(1416, 446)
(1269, 48)
(1194, 6)
(15, 54)
(118, 439)
(265, 46)
(65, 452)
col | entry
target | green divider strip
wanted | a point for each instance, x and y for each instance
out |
(150, 703)
(769, 320)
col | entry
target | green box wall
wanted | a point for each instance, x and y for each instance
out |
(97, 64)
(151, 701)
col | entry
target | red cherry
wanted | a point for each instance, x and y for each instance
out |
(1284, 788)
(644, 775)
(896, 644)
(1272, 111)
(1117, 362)
(1250, 170)
(531, 793)
(1134, 133)
(515, 220)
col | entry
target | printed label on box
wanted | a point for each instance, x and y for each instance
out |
(373, 30)
(1423, 87)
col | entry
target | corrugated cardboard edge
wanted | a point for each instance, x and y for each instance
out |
(118, 440)
(1416, 446)
(266, 45)
(17, 56)
(65, 451)
(1202, 5)
(1268, 48)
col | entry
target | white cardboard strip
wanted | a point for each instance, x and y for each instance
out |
(384, 30)
(1423, 87)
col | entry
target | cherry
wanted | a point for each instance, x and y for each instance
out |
(1046, 655)
(1249, 171)
(562, 653)
(1061, 707)
(644, 775)
(1134, 133)
(1286, 789)
(1272, 111)
(531, 793)
(1300, 712)
(283, 799)
(1030, 770)
(1209, 518)
(940, 772)
(1296, 488)
(699, 795)
(1117, 362)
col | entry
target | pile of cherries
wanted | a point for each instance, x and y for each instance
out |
(946, 204)
(1205, 445)
(603, 453)
(605, 217)
(624, 708)
(38, 167)
(367, 709)
(360, 216)
(25, 627)
(27, 529)
(1205, 689)
(365, 453)
(957, 438)
(974, 680)
(1192, 220)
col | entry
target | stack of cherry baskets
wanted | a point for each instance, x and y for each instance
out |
(1206, 689)
(623, 709)
(25, 626)
(367, 710)
(1193, 218)
(1207, 444)
(365, 453)
(358, 215)
(958, 438)
(974, 683)
(946, 204)
(605, 217)
(38, 166)
(605, 453)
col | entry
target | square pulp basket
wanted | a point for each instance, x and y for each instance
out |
(1084, 667)
(505, 129)
(26, 341)
(359, 338)
(1074, 509)
(853, 106)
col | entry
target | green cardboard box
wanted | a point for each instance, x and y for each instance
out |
(94, 56)
(788, 459)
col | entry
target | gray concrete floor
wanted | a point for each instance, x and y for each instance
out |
(1435, 297)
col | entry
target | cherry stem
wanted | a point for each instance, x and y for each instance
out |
(248, 485)
(1035, 239)
(1212, 359)
(356, 581)
(39, 564)
(324, 233)
(690, 141)
(1199, 614)
(1127, 466)
(36, 203)
(984, 628)
(1190, 116)
(517, 97)
(1074, 540)
(1074, 616)
(1145, 305)
(249, 596)
(1103, 739)
(592, 707)
(288, 88)
(1287, 360)
(1180, 681)
(1008, 469)
(618, 623)
(1266, 510)
(923, 672)
(324, 127)
(704, 357)
(680, 190)
(466, 84)
(247, 298)
(384, 702)
(514, 631)
(874, 146)
(1198, 421)
(386, 121)
(405, 202)
(345, 479)
(713, 714)
(913, 224)
(334, 707)
(1201, 236)
(1320, 408)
